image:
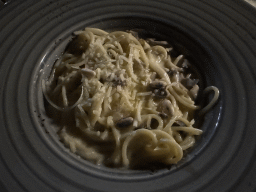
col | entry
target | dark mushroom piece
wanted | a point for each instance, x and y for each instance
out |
(160, 93)
(172, 72)
(176, 74)
(194, 91)
(166, 108)
(185, 63)
(158, 89)
(78, 45)
(124, 122)
(157, 84)
(118, 81)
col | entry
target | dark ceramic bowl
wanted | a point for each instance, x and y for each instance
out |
(217, 36)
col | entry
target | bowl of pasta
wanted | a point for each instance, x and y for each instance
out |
(127, 96)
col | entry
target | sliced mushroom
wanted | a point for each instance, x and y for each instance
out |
(124, 122)
(175, 74)
(194, 91)
(118, 81)
(158, 89)
(88, 73)
(185, 63)
(160, 93)
(157, 84)
(166, 108)
(172, 72)
(188, 82)
(78, 45)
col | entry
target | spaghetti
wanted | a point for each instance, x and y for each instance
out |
(123, 101)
